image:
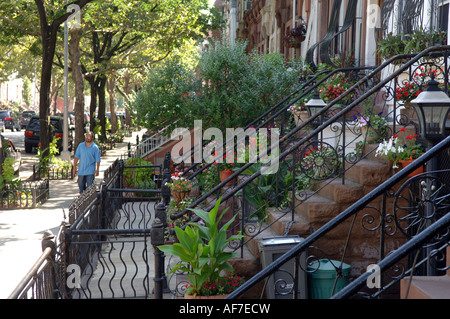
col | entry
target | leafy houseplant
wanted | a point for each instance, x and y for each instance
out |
(391, 46)
(201, 249)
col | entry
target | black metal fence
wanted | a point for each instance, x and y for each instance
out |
(104, 250)
(23, 195)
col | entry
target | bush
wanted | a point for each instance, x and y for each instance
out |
(229, 88)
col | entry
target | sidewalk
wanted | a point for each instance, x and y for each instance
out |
(21, 230)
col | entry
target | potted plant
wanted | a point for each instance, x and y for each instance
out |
(398, 152)
(373, 126)
(180, 186)
(299, 111)
(391, 46)
(201, 249)
(296, 36)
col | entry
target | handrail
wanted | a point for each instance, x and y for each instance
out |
(291, 133)
(262, 116)
(390, 260)
(321, 127)
(31, 273)
(332, 224)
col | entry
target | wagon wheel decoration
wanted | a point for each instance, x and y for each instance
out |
(420, 202)
(320, 161)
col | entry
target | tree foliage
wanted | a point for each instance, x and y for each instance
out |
(228, 88)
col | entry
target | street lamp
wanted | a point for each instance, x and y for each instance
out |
(314, 106)
(432, 107)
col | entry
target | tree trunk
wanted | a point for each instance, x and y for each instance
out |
(77, 75)
(112, 102)
(101, 92)
(126, 89)
(93, 104)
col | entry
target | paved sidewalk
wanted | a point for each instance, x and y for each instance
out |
(21, 230)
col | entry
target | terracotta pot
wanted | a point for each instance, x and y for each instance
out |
(224, 175)
(405, 163)
(180, 195)
(205, 297)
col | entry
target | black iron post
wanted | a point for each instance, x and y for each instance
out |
(157, 239)
(167, 177)
(48, 242)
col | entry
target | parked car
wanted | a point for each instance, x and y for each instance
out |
(10, 119)
(25, 118)
(32, 138)
(9, 150)
(2, 126)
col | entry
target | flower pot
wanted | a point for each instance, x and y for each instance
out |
(300, 117)
(180, 195)
(224, 175)
(205, 297)
(416, 172)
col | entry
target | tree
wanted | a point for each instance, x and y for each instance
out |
(131, 35)
(227, 89)
(19, 19)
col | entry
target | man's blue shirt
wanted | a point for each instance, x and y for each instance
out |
(88, 157)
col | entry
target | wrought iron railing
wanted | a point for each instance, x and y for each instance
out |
(24, 195)
(102, 249)
(386, 221)
(410, 221)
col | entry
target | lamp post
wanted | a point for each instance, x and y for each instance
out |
(314, 106)
(432, 107)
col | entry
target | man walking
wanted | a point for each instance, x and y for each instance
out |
(88, 154)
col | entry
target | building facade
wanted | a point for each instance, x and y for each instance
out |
(350, 27)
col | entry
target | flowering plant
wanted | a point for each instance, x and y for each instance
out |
(395, 150)
(295, 108)
(376, 122)
(331, 92)
(179, 183)
(296, 35)
(408, 91)
(223, 285)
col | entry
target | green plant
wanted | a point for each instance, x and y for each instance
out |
(395, 150)
(44, 160)
(8, 176)
(391, 46)
(201, 249)
(422, 39)
(139, 177)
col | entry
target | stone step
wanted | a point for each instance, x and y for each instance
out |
(423, 287)
(369, 172)
(341, 193)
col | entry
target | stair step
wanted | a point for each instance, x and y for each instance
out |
(281, 222)
(369, 172)
(423, 287)
(340, 193)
